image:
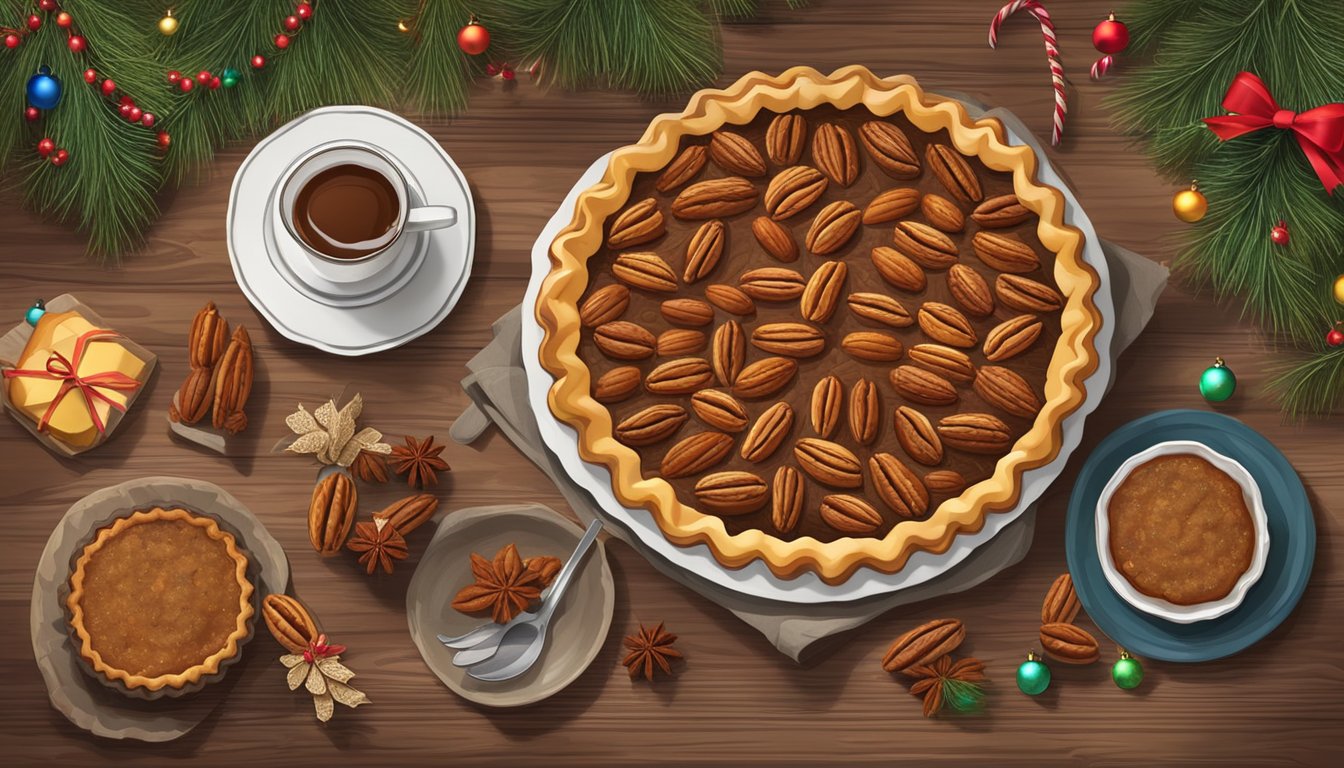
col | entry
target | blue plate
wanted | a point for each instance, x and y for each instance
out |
(1292, 541)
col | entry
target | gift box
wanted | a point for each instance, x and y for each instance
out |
(70, 379)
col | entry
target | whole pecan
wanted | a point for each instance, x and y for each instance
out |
(331, 513)
(289, 622)
(233, 384)
(409, 513)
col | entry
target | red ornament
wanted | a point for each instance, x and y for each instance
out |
(76, 44)
(282, 41)
(292, 23)
(135, 114)
(214, 83)
(108, 87)
(258, 61)
(1335, 337)
(47, 5)
(32, 113)
(90, 76)
(125, 110)
(12, 41)
(147, 120)
(164, 139)
(203, 77)
(34, 22)
(64, 20)
(1110, 36)
(304, 11)
(60, 157)
(474, 38)
(1279, 234)
(186, 84)
(174, 76)
(46, 147)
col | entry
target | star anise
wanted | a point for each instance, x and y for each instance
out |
(419, 460)
(370, 467)
(946, 681)
(504, 587)
(378, 544)
(649, 647)
(546, 568)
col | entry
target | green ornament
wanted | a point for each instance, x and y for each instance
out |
(229, 77)
(1033, 677)
(35, 312)
(1217, 383)
(1127, 672)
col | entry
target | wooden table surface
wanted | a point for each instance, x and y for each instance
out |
(737, 700)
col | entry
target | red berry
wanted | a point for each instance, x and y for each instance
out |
(11, 41)
(1279, 234)
(186, 84)
(75, 44)
(32, 113)
(34, 22)
(125, 110)
(47, 5)
(45, 147)
(214, 83)
(304, 11)
(282, 41)
(90, 76)
(109, 87)
(203, 77)
(292, 23)
(174, 76)
(507, 74)
(491, 69)
(63, 20)
(147, 120)
(258, 61)
(1335, 337)
(135, 114)
(60, 157)
(164, 139)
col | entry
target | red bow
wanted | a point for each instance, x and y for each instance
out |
(66, 371)
(1319, 131)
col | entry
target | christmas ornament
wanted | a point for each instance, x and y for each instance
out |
(203, 77)
(474, 38)
(282, 41)
(76, 44)
(44, 90)
(304, 11)
(1217, 382)
(1033, 677)
(35, 312)
(1335, 337)
(60, 157)
(292, 23)
(229, 77)
(1339, 289)
(1279, 234)
(12, 40)
(147, 120)
(1127, 672)
(174, 76)
(90, 76)
(135, 114)
(168, 24)
(1189, 205)
(109, 87)
(1110, 37)
(214, 82)
(258, 61)
(186, 84)
(45, 147)
(63, 20)
(32, 113)
(1051, 54)
(1319, 132)
(34, 22)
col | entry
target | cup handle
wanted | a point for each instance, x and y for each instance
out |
(430, 217)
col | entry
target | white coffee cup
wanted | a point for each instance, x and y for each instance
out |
(352, 152)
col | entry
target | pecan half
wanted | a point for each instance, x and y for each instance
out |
(233, 384)
(331, 513)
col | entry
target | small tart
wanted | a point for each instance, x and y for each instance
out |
(160, 599)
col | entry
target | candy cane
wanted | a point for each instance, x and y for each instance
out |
(1051, 53)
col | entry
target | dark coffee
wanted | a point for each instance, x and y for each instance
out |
(347, 211)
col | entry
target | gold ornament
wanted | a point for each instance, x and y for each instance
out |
(168, 24)
(1339, 289)
(1189, 205)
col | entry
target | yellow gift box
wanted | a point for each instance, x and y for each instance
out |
(74, 377)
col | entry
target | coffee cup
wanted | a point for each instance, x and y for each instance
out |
(348, 205)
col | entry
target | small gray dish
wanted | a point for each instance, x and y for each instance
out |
(581, 621)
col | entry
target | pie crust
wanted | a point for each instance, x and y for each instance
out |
(1073, 359)
(195, 588)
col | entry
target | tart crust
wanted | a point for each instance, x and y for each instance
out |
(1075, 356)
(207, 666)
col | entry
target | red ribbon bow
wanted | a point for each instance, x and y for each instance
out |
(66, 371)
(1319, 131)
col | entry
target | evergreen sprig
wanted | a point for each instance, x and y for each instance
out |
(1190, 51)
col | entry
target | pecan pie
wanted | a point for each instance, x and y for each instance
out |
(160, 598)
(819, 321)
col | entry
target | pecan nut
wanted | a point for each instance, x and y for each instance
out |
(849, 514)
(834, 153)
(682, 169)
(732, 493)
(651, 425)
(604, 305)
(792, 190)
(715, 198)
(1069, 643)
(638, 224)
(890, 148)
(208, 337)
(331, 513)
(735, 154)
(1061, 602)
(195, 397)
(233, 384)
(409, 513)
(785, 137)
(924, 644)
(289, 622)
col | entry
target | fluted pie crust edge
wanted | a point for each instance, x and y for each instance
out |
(1075, 356)
(208, 666)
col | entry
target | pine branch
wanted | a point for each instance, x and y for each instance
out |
(1313, 386)
(439, 74)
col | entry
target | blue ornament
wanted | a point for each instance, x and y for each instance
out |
(35, 312)
(44, 90)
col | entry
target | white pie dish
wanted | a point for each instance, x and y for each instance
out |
(1155, 606)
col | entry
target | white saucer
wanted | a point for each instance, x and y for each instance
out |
(410, 299)
(755, 579)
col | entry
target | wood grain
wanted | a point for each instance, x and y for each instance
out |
(736, 700)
